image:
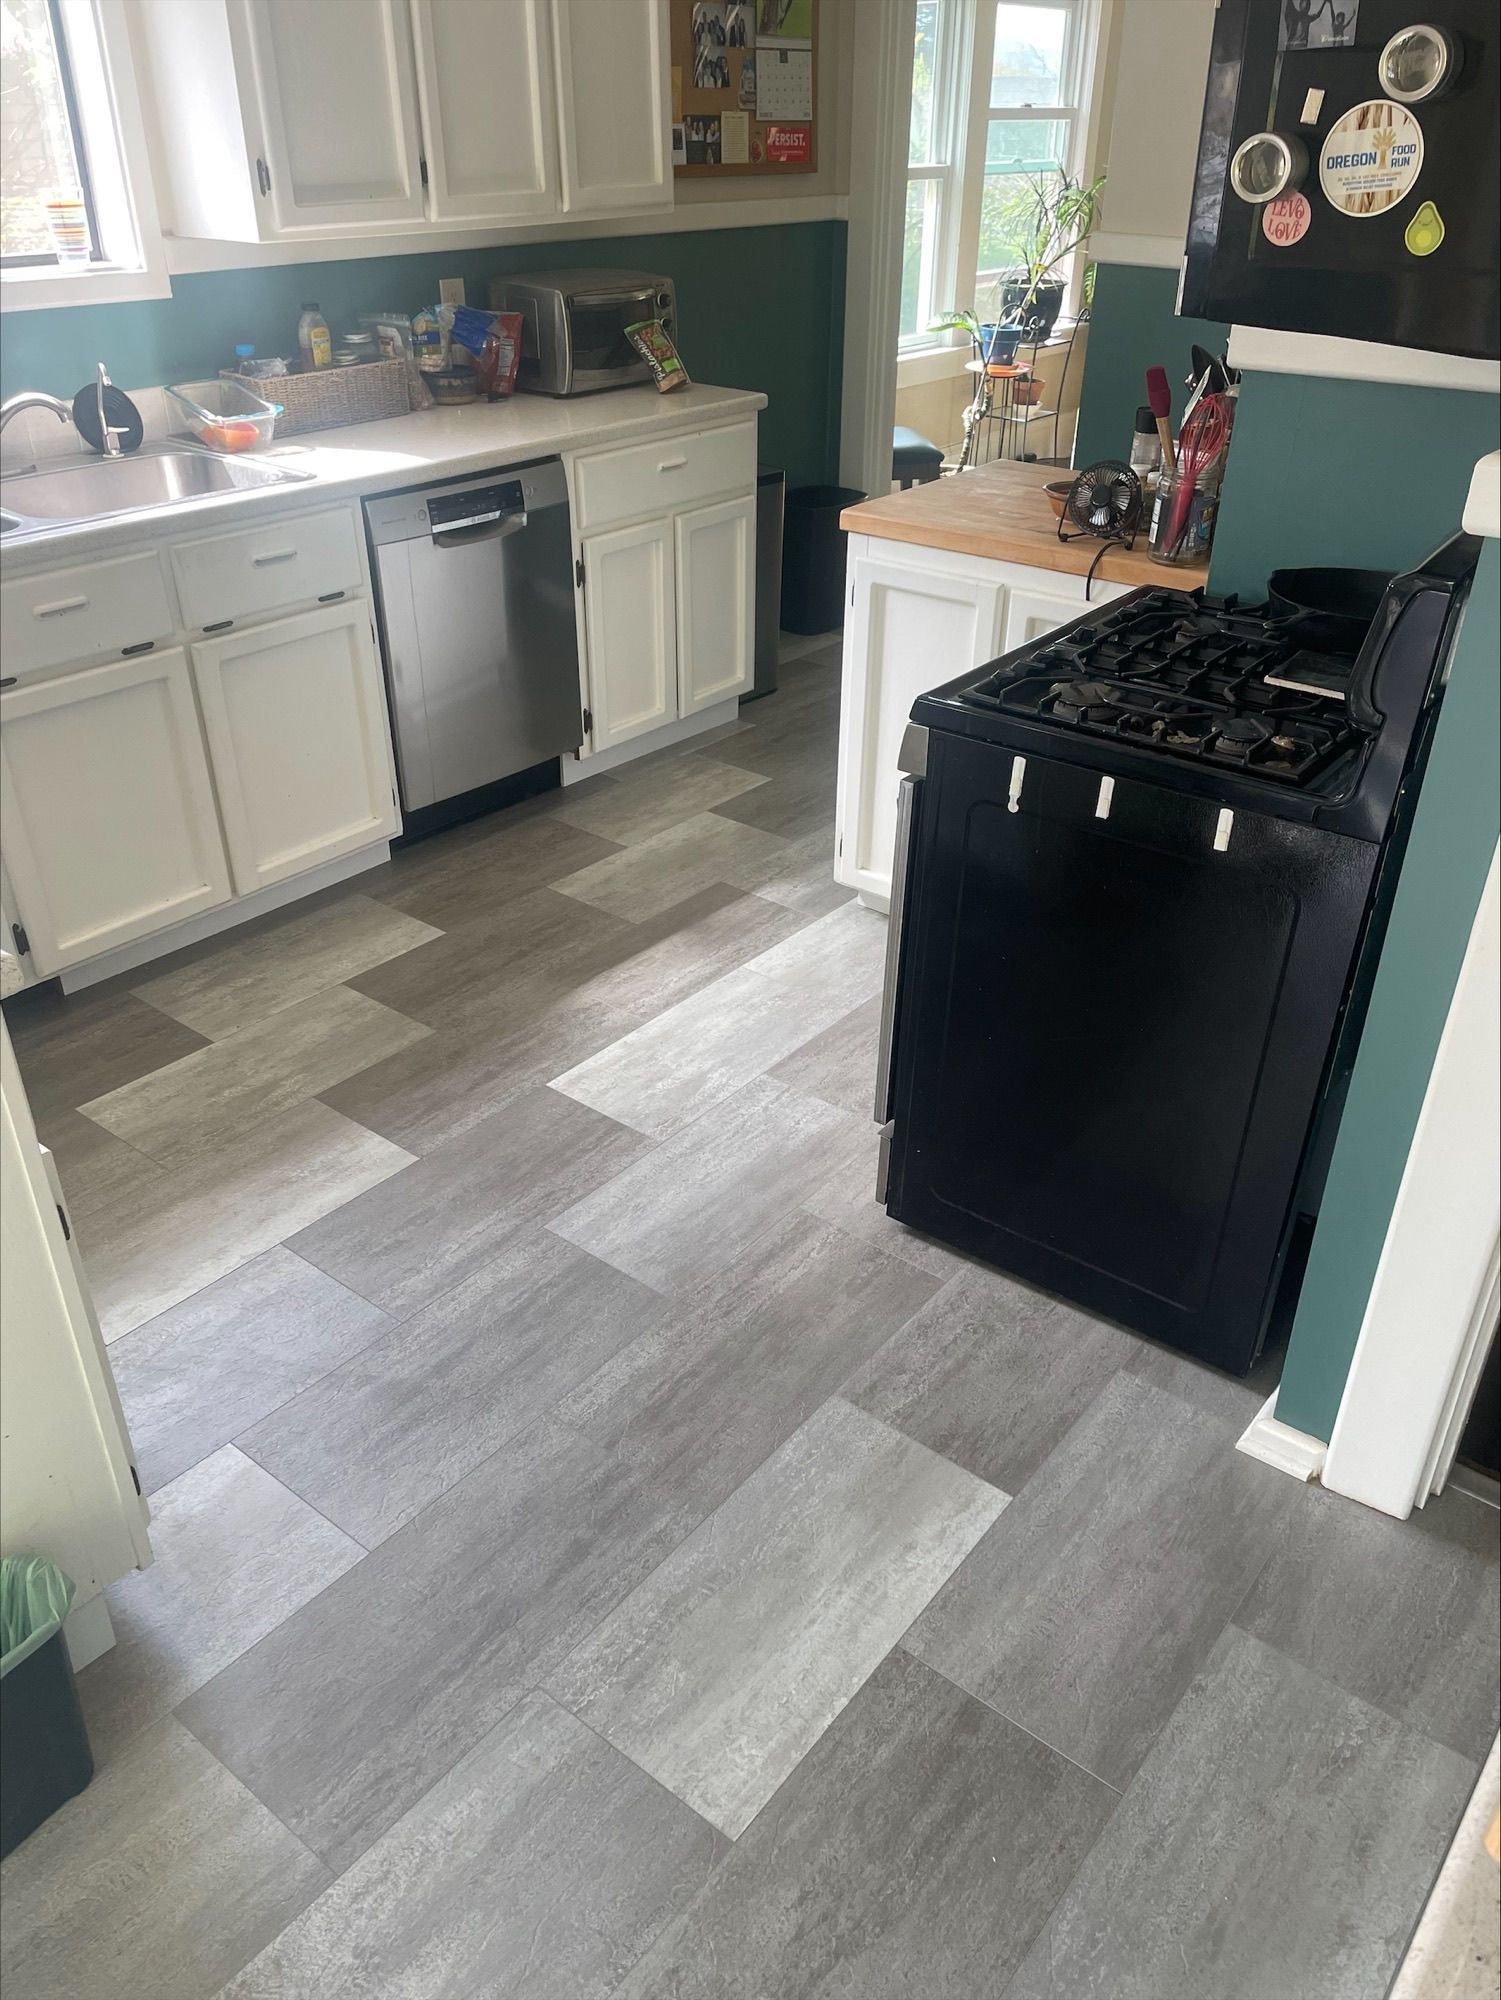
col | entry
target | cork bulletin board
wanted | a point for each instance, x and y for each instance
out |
(744, 87)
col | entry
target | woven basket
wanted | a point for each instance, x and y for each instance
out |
(321, 400)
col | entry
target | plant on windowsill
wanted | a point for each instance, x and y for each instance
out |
(1048, 217)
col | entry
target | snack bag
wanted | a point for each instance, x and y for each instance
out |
(652, 340)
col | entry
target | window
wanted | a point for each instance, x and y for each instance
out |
(71, 130)
(998, 90)
(1032, 118)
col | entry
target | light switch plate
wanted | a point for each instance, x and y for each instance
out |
(450, 291)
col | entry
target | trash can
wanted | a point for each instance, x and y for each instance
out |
(813, 551)
(44, 1748)
(771, 491)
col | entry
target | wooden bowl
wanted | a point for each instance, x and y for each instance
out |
(1058, 491)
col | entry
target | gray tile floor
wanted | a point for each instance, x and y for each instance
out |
(599, 1554)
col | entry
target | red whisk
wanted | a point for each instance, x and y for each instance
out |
(1202, 439)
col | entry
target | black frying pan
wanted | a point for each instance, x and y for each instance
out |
(1335, 605)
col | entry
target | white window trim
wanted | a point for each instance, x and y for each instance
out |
(955, 55)
(109, 107)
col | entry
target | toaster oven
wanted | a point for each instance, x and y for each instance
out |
(573, 339)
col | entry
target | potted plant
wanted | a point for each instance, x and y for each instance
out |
(992, 340)
(1048, 217)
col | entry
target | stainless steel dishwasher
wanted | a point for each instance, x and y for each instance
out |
(474, 587)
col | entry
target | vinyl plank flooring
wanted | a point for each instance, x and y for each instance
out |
(203, 1371)
(163, 1878)
(840, 1064)
(401, 1244)
(205, 1100)
(991, 1374)
(1279, 1839)
(695, 1204)
(749, 1356)
(191, 1226)
(352, 1708)
(1421, 1645)
(594, 1858)
(235, 1554)
(97, 1170)
(647, 802)
(1234, 1402)
(71, 1047)
(456, 877)
(917, 1849)
(642, 881)
(370, 1444)
(799, 874)
(798, 800)
(224, 986)
(722, 1669)
(502, 966)
(1090, 1606)
(846, 1197)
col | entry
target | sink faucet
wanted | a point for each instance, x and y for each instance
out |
(34, 399)
(109, 434)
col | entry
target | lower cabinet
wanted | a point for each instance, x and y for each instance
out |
(106, 808)
(630, 631)
(714, 550)
(296, 721)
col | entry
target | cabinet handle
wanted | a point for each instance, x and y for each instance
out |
(56, 610)
(671, 464)
(9, 681)
(276, 556)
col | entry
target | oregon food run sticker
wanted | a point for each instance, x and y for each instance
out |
(1285, 221)
(1371, 157)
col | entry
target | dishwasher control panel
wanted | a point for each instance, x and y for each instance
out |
(475, 506)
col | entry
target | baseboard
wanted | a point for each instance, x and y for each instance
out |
(88, 1632)
(227, 917)
(576, 769)
(1280, 1445)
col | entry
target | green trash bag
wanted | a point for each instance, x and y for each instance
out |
(35, 1598)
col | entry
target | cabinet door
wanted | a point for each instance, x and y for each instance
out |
(910, 628)
(485, 82)
(613, 103)
(338, 104)
(1030, 613)
(296, 720)
(630, 630)
(715, 550)
(107, 811)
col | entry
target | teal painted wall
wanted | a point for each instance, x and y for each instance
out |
(1368, 474)
(726, 280)
(1453, 837)
(1133, 328)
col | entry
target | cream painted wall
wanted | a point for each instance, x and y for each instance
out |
(1157, 62)
(935, 408)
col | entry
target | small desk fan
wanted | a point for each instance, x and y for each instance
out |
(1104, 501)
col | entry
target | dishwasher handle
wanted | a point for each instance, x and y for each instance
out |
(485, 528)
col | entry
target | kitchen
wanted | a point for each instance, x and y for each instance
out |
(480, 1230)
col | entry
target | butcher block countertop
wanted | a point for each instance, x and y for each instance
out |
(1001, 511)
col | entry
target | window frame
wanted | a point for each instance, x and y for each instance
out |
(130, 257)
(955, 45)
(1072, 112)
(43, 260)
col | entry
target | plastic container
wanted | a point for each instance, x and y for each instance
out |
(452, 385)
(226, 416)
(813, 557)
(44, 1748)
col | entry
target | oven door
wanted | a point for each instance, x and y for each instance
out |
(600, 356)
(1115, 1014)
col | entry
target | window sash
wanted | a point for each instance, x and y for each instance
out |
(48, 259)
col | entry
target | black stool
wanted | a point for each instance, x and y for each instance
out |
(914, 459)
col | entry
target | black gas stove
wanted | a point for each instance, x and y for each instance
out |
(1183, 817)
(1202, 679)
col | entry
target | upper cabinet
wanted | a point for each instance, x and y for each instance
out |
(282, 120)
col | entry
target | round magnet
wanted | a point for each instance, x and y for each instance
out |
(1425, 232)
(1419, 63)
(1285, 221)
(1266, 165)
(1372, 154)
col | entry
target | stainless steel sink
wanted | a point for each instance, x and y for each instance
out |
(96, 488)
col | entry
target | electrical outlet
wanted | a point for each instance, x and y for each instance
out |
(450, 291)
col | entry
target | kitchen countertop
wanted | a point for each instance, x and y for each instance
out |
(1001, 512)
(395, 452)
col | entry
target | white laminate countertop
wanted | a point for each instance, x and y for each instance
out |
(402, 451)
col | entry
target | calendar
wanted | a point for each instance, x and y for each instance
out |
(784, 86)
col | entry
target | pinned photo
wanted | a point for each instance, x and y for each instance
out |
(703, 142)
(679, 145)
(709, 27)
(711, 71)
(740, 24)
(1318, 24)
(789, 21)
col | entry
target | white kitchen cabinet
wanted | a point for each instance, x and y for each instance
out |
(282, 120)
(714, 552)
(108, 816)
(1032, 610)
(486, 86)
(630, 631)
(296, 720)
(912, 625)
(613, 103)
